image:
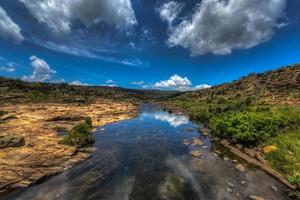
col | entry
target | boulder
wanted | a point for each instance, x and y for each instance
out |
(11, 141)
(250, 152)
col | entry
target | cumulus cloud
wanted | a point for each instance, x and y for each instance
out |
(174, 82)
(78, 83)
(169, 11)
(8, 28)
(41, 71)
(59, 14)
(219, 26)
(202, 86)
(172, 119)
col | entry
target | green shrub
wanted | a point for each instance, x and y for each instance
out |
(294, 179)
(294, 194)
(88, 121)
(201, 115)
(79, 136)
(246, 127)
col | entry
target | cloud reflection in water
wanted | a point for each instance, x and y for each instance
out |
(173, 119)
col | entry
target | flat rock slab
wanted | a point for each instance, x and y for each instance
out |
(42, 156)
(11, 141)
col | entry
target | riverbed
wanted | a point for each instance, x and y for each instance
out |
(149, 157)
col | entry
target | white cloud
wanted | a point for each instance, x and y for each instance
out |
(7, 69)
(172, 119)
(202, 86)
(8, 28)
(110, 83)
(41, 70)
(219, 26)
(137, 83)
(169, 11)
(175, 82)
(59, 14)
(102, 54)
(78, 83)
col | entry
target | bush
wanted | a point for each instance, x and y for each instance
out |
(79, 136)
(246, 127)
(201, 115)
(294, 195)
(88, 121)
(295, 179)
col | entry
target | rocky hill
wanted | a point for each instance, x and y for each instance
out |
(277, 86)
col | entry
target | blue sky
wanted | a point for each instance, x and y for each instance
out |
(146, 44)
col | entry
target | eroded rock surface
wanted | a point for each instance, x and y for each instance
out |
(11, 141)
(42, 156)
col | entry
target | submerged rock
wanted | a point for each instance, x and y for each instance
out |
(197, 141)
(254, 197)
(196, 153)
(229, 190)
(171, 188)
(88, 149)
(240, 167)
(186, 142)
(230, 185)
(11, 141)
(205, 131)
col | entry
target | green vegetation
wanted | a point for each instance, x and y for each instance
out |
(16, 91)
(80, 135)
(246, 127)
(294, 194)
(254, 123)
(88, 121)
(257, 110)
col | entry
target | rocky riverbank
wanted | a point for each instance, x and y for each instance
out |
(253, 156)
(29, 142)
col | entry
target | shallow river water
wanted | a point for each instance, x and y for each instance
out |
(145, 159)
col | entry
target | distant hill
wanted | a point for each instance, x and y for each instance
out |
(14, 90)
(276, 86)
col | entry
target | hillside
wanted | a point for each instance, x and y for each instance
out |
(260, 112)
(277, 86)
(13, 90)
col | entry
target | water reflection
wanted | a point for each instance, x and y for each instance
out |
(145, 159)
(173, 119)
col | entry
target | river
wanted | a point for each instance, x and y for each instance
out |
(145, 158)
